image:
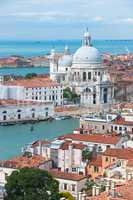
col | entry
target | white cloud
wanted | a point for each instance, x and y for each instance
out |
(98, 19)
(128, 20)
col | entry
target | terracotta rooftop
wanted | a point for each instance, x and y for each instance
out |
(24, 161)
(41, 142)
(123, 192)
(33, 83)
(121, 121)
(97, 162)
(120, 153)
(65, 145)
(5, 102)
(130, 163)
(96, 138)
(67, 176)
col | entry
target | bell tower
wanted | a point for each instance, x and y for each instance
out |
(53, 65)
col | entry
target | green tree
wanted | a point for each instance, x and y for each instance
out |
(70, 95)
(31, 184)
(67, 195)
(88, 186)
(30, 75)
(86, 154)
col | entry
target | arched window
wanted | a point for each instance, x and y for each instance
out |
(18, 110)
(88, 90)
(105, 95)
(47, 114)
(84, 76)
(19, 116)
(89, 75)
(4, 117)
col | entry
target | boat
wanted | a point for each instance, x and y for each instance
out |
(62, 117)
(32, 128)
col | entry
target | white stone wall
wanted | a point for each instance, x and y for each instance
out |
(68, 159)
(11, 112)
(53, 94)
(78, 186)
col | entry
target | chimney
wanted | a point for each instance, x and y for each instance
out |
(80, 196)
(93, 190)
(113, 190)
(84, 196)
(129, 176)
(97, 190)
(107, 187)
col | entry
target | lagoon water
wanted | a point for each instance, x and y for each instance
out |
(23, 71)
(34, 48)
(13, 138)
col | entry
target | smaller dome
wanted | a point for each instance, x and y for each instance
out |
(65, 61)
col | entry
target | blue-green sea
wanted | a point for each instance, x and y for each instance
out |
(36, 48)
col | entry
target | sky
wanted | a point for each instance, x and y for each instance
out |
(65, 19)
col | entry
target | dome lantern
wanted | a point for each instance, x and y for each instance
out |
(87, 38)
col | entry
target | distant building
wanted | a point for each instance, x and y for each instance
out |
(34, 89)
(85, 74)
(107, 123)
(70, 157)
(70, 182)
(100, 142)
(16, 111)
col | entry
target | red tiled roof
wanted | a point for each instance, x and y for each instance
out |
(42, 142)
(97, 162)
(24, 161)
(34, 82)
(120, 153)
(130, 163)
(95, 138)
(5, 102)
(121, 121)
(125, 192)
(67, 176)
(65, 145)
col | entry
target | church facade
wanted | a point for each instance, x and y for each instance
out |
(84, 73)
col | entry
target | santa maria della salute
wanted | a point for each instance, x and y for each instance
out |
(85, 73)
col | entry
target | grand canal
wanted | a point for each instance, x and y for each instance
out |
(13, 138)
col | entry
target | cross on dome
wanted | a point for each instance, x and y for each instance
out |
(87, 38)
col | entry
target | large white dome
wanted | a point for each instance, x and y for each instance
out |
(87, 54)
(65, 61)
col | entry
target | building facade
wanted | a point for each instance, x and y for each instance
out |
(15, 111)
(85, 74)
(34, 89)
